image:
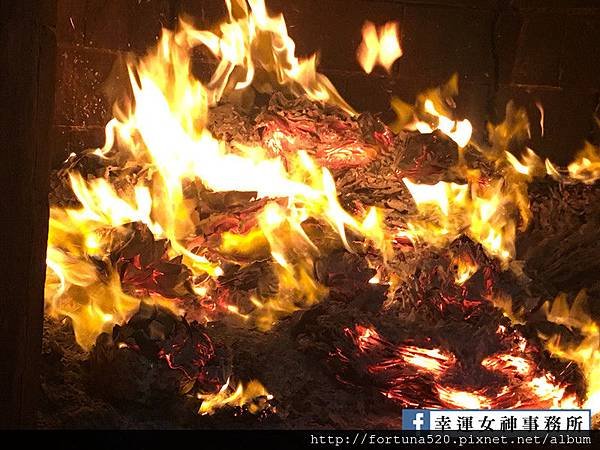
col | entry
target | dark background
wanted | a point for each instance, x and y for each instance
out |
(527, 50)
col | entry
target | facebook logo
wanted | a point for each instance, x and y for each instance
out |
(415, 419)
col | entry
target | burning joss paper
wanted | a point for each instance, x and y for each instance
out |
(251, 240)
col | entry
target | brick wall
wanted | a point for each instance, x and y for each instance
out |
(544, 51)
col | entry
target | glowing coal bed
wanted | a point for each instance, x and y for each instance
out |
(252, 251)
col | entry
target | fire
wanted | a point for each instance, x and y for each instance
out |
(252, 395)
(455, 398)
(466, 267)
(478, 211)
(379, 46)
(540, 108)
(253, 41)
(430, 112)
(74, 290)
(434, 361)
(547, 390)
(366, 337)
(77, 240)
(585, 353)
(528, 165)
(458, 130)
(586, 167)
(163, 128)
(508, 362)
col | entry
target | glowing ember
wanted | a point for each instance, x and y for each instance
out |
(506, 362)
(452, 398)
(434, 361)
(393, 368)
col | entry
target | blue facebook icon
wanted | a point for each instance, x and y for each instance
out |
(415, 419)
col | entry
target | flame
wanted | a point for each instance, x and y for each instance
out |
(546, 389)
(551, 169)
(508, 362)
(75, 287)
(379, 46)
(74, 290)
(243, 395)
(459, 131)
(163, 129)
(586, 353)
(586, 167)
(465, 266)
(251, 42)
(529, 164)
(540, 108)
(478, 211)
(431, 112)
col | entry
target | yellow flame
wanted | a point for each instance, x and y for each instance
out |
(586, 167)
(449, 210)
(529, 164)
(252, 395)
(586, 353)
(459, 131)
(547, 389)
(551, 170)
(73, 289)
(252, 41)
(75, 286)
(379, 46)
(163, 129)
(465, 266)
